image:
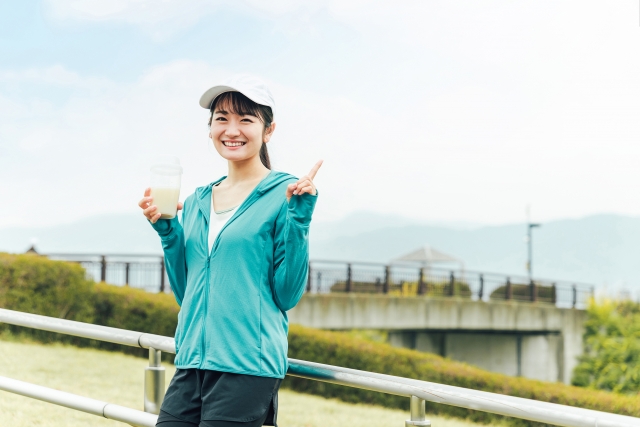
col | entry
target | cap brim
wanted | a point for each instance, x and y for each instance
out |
(207, 98)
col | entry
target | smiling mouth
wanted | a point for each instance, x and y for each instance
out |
(233, 143)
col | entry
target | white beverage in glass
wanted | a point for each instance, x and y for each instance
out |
(166, 199)
(165, 186)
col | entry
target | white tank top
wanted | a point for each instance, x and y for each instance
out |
(217, 220)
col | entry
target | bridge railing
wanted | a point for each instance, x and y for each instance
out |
(148, 272)
(417, 391)
(412, 280)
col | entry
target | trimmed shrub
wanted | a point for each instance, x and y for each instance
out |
(403, 288)
(32, 284)
(522, 292)
(38, 285)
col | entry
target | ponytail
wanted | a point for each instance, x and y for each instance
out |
(264, 156)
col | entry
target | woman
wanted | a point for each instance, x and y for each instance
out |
(236, 264)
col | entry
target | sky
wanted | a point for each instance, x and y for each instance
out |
(441, 111)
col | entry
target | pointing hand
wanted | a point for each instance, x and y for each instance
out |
(304, 184)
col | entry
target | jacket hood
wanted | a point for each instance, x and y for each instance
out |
(272, 180)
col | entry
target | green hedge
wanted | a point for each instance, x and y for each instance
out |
(38, 285)
(522, 292)
(406, 288)
(35, 284)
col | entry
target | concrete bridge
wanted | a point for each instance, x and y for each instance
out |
(539, 341)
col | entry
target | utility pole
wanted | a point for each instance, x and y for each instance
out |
(529, 240)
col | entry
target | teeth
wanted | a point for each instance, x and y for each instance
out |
(233, 144)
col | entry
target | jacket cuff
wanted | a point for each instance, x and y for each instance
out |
(165, 227)
(301, 208)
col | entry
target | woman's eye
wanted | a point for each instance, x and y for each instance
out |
(221, 119)
(247, 120)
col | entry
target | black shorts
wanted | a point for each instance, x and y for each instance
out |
(216, 398)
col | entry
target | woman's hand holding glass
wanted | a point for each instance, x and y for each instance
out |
(149, 210)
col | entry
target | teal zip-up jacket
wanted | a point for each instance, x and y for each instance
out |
(234, 300)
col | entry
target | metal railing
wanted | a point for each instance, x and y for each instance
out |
(148, 272)
(412, 280)
(418, 391)
(145, 271)
(79, 403)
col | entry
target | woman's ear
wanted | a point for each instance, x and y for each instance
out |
(268, 132)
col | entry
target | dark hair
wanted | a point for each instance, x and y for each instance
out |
(237, 103)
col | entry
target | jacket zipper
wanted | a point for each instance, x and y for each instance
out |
(210, 254)
(203, 341)
(204, 317)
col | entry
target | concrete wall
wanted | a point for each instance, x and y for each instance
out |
(532, 356)
(537, 341)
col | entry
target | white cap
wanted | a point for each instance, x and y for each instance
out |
(250, 86)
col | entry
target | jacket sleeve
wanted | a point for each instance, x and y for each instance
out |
(291, 250)
(173, 244)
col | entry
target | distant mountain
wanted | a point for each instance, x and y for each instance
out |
(601, 249)
(117, 233)
(129, 233)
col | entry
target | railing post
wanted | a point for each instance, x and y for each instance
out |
(103, 268)
(162, 275)
(153, 382)
(452, 282)
(574, 298)
(481, 289)
(387, 279)
(349, 284)
(554, 293)
(127, 267)
(309, 279)
(534, 291)
(421, 286)
(508, 290)
(418, 414)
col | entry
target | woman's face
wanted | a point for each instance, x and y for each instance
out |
(238, 137)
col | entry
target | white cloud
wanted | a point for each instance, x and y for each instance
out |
(90, 154)
(466, 154)
(511, 103)
(156, 11)
(162, 19)
(129, 11)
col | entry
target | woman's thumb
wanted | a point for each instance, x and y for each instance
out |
(290, 190)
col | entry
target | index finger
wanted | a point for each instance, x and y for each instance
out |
(314, 169)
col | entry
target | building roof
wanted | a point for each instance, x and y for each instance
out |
(427, 255)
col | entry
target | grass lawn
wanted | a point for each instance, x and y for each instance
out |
(118, 378)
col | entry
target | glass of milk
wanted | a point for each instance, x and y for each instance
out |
(165, 186)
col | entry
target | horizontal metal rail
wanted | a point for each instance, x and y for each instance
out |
(88, 330)
(526, 409)
(79, 403)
